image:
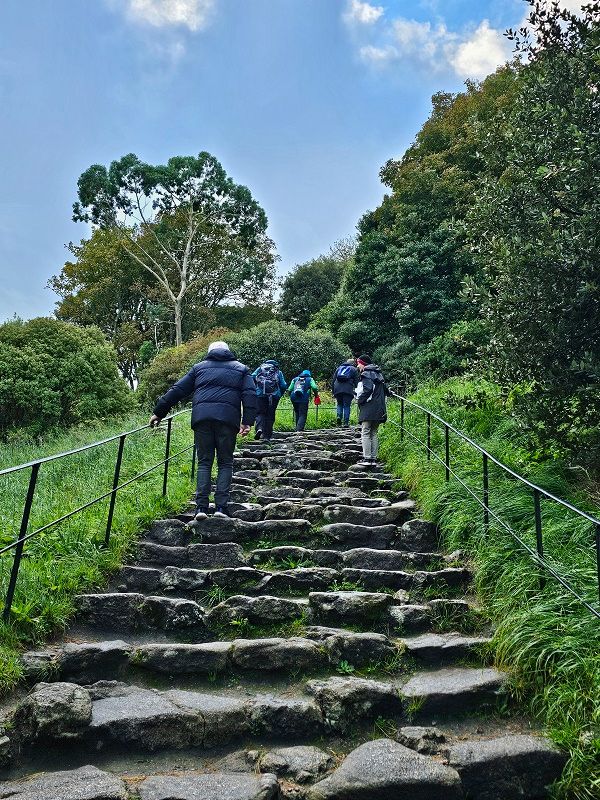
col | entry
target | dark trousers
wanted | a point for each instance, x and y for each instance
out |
(267, 406)
(300, 414)
(212, 437)
(344, 401)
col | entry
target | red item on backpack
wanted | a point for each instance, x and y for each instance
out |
(317, 400)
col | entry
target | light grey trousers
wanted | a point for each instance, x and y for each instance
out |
(370, 439)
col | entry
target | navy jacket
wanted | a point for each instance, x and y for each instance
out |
(220, 386)
(344, 387)
(371, 394)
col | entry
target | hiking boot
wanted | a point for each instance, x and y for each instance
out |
(366, 462)
(201, 513)
(222, 511)
(257, 434)
(338, 421)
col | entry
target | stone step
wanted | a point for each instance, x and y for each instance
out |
(394, 514)
(127, 611)
(358, 558)
(320, 648)
(439, 648)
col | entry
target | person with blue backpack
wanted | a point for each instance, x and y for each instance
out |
(301, 387)
(270, 386)
(343, 384)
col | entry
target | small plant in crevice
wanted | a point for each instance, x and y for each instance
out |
(345, 668)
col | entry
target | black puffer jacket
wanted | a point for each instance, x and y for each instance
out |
(371, 394)
(220, 385)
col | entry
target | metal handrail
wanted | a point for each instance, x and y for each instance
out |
(538, 491)
(25, 535)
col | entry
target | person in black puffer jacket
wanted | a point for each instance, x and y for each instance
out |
(222, 387)
(370, 397)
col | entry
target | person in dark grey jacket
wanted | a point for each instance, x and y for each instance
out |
(221, 388)
(343, 384)
(370, 397)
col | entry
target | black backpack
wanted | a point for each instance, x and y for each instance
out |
(267, 379)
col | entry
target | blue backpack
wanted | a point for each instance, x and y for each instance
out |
(344, 373)
(301, 389)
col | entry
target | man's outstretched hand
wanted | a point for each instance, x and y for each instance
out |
(245, 430)
(154, 421)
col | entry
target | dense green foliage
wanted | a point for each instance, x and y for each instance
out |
(67, 559)
(199, 235)
(544, 637)
(534, 227)
(295, 350)
(53, 373)
(309, 287)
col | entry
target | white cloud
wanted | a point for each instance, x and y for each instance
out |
(378, 56)
(362, 13)
(481, 53)
(191, 14)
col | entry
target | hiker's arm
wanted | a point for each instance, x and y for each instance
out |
(289, 388)
(178, 392)
(314, 386)
(282, 383)
(366, 385)
(249, 405)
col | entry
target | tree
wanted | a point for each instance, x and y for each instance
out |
(310, 286)
(53, 373)
(534, 227)
(106, 287)
(188, 224)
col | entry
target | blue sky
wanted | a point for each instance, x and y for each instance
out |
(302, 100)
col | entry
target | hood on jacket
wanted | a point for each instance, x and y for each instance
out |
(272, 361)
(375, 372)
(221, 354)
(306, 372)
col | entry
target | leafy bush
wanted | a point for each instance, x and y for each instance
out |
(294, 348)
(54, 373)
(173, 362)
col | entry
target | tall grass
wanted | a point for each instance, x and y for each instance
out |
(69, 558)
(544, 636)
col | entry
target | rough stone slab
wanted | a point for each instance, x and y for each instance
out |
(376, 579)
(427, 741)
(507, 767)
(450, 576)
(240, 463)
(346, 700)
(336, 491)
(419, 535)
(146, 719)
(132, 611)
(169, 532)
(350, 535)
(434, 647)
(223, 718)
(320, 558)
(358, 649)
(394, 514)
(288, 718)
(300, 764)
(159, 554)
(85, 783)
(276, 654)
(216, 786)
(87, 662)
(408, 617)
(215, 556)
(238, 578)
(300, 579)
(58, 710)
(144, 580)
(454, 689)
(370, 558)
(182, 659)
(386, 770)
(257, 610)
(347, 607)
(370, 502)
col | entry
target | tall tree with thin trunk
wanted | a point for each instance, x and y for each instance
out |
(185, 222)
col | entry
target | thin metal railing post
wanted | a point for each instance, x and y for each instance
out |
(193, 470)
(538, 533)
(598, 556)
(428, 436)
(486, 495)
(10, 592)
(401, 419)
(113, 496)
(167, 453)
(447, 440)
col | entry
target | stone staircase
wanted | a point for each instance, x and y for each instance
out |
(316, 645)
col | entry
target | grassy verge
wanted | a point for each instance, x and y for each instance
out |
(68, 559)
(545, 637)
(325, 418)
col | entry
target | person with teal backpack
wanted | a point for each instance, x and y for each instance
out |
(301, 387)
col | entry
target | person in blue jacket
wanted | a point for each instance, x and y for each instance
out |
(223, 404)
(270, 387)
